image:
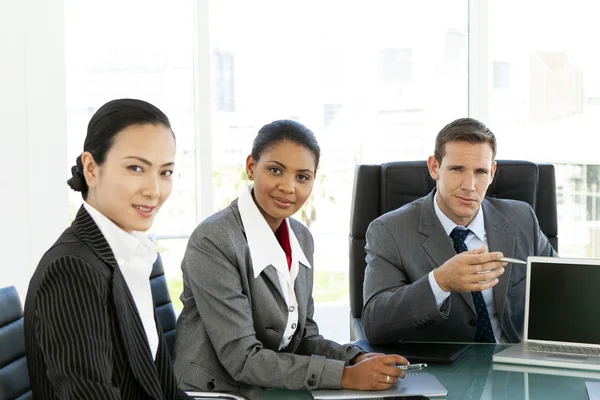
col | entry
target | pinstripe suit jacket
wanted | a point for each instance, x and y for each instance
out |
(83, 335)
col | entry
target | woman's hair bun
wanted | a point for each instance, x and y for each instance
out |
(77, 181)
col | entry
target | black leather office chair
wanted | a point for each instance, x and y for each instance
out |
(162, 303)
(14, 377)
(382, 188)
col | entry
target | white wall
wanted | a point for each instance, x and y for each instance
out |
(33, 202)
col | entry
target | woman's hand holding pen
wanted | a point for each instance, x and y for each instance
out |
(364, 356)
(373, 371)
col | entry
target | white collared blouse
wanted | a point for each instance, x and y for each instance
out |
(266, 251)
(135, 255)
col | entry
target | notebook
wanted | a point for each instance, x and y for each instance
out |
(415, 384)
(561, 327)
(421, 352)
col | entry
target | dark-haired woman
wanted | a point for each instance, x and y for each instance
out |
(89, 317)
(247, 321)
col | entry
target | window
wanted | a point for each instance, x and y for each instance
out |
(226, 81)
(140, 49)
(374, 80)
(501, 71)
(545, 101)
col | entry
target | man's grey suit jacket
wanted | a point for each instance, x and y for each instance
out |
(231, 326)
(404, 245)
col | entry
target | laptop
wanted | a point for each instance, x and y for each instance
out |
(562, 315)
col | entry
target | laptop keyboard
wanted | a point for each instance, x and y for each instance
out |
(556, 348)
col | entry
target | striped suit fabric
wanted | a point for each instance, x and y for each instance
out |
(83, 334)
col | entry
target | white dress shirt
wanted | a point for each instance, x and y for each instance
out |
(135, 255)
(265, 250)
(476, 238)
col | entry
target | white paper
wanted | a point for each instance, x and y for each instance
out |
(415, 384)
(593, 390)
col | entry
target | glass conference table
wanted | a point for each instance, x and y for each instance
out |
(475, 376)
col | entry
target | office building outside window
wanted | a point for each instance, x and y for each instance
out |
(374, 80)
(137, 49)
(544, 104)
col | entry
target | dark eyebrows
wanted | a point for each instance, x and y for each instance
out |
(453, 166)
(480, 169)
(284, 167)
(148, 163)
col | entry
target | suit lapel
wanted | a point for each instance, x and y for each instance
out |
(130, 325)
(134, 336)
(86, 229)
(302, 291)
(437, 244)
(164, 363)
(269, 273)
(499, 240)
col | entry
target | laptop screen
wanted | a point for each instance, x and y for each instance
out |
(564, 302)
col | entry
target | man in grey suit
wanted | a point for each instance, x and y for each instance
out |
(430, 276)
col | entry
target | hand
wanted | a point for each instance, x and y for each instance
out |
(470, 271)
(372, 372)
(364, 356)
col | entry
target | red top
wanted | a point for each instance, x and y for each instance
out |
(283, 237)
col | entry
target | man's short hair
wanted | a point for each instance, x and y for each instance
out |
(466, 130)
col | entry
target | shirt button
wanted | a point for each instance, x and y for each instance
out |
(312, 381)
(290, 338)
(293, 326)
(291, 309)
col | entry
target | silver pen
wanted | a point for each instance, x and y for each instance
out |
(411, 367)
(513, 260)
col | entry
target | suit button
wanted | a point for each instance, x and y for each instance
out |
(473, 322)
(211, 385)
(312, 381)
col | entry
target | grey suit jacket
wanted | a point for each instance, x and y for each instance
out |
(229, 331)
(404, 245)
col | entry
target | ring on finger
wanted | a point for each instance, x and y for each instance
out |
(387, 379)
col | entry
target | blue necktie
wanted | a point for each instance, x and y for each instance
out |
(484, 333)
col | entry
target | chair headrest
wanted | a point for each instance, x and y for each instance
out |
(10, 304)
(157, 268)
(406, 181)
